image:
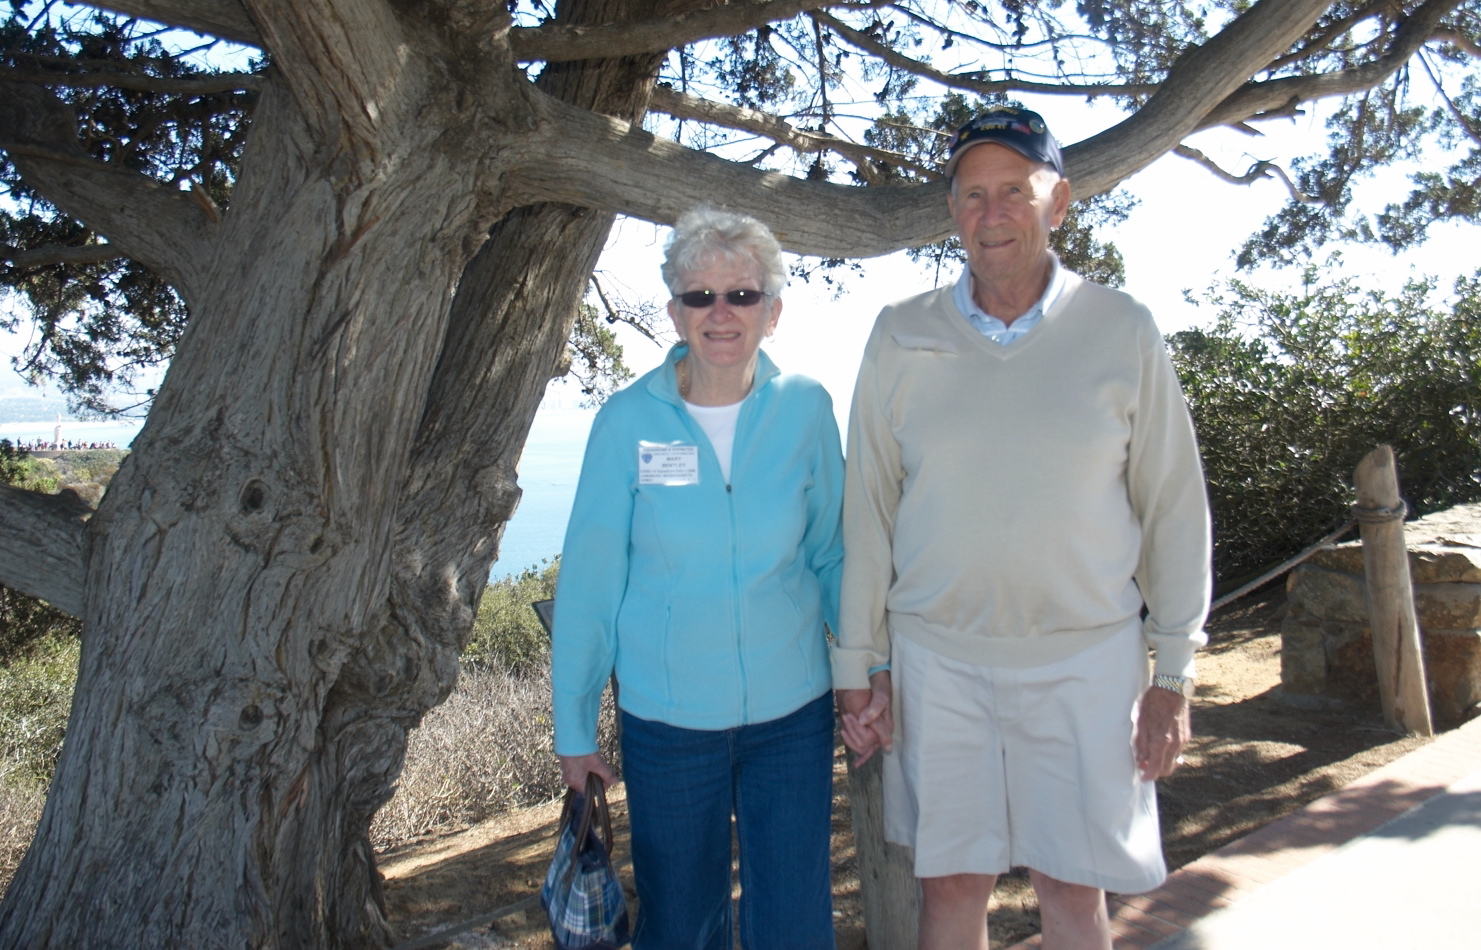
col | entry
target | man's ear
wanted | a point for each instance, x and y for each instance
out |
(1059, 198)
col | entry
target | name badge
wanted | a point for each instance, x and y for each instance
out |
(668, 463)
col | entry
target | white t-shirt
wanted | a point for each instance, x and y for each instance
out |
(719, 424)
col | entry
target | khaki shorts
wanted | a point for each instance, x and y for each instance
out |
(1001, 768)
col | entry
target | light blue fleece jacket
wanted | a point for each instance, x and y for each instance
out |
(709, 599)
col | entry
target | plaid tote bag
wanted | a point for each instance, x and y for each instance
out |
(582, 895)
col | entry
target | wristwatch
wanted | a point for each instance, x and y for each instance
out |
(1182, 685)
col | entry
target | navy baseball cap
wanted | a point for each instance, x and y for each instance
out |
(1022, 130)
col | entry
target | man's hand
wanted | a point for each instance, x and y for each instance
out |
(1163, 726)
(574, 769)
(866, 721)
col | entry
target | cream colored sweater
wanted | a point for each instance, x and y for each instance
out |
(1011, 506)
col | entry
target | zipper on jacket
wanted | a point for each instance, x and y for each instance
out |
(737, 459)
(735, 585)
(700, 437)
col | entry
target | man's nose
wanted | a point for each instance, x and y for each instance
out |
(993, 209)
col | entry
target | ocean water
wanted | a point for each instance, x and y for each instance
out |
(548, 471)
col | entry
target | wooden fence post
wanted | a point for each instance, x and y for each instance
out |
(1391, 616)
(887, 885)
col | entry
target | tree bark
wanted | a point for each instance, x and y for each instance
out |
(227, 19)
(238, 560)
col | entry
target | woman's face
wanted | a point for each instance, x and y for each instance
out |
(724, 335)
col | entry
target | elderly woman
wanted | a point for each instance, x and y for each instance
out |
(702, 561)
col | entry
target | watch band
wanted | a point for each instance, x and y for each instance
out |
(1182, 685)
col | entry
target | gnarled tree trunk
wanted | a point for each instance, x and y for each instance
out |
(282, 574)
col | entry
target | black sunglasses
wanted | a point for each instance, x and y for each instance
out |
(700, 299)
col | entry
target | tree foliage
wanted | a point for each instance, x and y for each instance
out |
(1289, 390)
(595, 355)
(102, 322)
(1430, 109)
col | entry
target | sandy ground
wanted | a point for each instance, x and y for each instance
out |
(1255, 757)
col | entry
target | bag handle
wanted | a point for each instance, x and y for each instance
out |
(595, 802)
(594, 806)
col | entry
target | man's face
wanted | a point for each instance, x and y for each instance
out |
(1004, 205)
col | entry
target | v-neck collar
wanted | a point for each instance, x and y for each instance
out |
(966, 331)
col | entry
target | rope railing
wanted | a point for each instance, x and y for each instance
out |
(1275, 572)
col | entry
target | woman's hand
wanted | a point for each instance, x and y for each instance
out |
(574, 769)
(866, 721)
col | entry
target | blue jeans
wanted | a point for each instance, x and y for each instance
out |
(683, 786)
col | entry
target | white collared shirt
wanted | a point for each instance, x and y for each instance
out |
(992, 327)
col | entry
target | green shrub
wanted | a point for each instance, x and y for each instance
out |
(88, 465)
(1289, 392)
(24, 470)
(507, 632)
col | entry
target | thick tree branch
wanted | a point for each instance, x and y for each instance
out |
(1202, 79)
(1277, 96)
(681, 105)
(591, 160)
(970, 82)
(226, 19)
(348, 66)
(563, 43)
(595, 161)
(57, 254)
(45, 549)
(163, 229)
(1457, 39)
(229, 20)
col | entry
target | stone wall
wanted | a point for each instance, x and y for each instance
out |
(1326, 647)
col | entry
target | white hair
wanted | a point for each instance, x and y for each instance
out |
(705, 236)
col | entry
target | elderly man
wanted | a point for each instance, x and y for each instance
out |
(1022, 480)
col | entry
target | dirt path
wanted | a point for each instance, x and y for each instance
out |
(1254, 758)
